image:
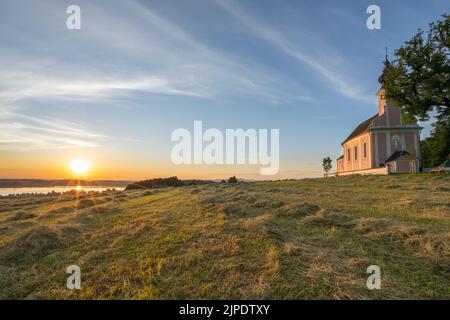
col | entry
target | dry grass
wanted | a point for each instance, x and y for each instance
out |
(21, 215)
(308, 239)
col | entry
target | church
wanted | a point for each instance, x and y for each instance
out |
(385, 143)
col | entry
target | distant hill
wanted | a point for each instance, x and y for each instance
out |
(29, 183)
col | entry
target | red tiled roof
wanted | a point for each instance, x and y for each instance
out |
(363, 127)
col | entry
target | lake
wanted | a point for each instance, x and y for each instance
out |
(8, 191)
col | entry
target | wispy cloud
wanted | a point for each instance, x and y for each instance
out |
(24, 133)
(123, 50)
(144, 52)
(271, 35)
(28, 85)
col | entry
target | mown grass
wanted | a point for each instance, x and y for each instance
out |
(299, 239)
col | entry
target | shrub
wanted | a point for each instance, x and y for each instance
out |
(165, 182)
(232, 179)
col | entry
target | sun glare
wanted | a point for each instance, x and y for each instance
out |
(80, 166)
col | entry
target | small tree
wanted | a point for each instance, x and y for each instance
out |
(327, 164)
(232, 179)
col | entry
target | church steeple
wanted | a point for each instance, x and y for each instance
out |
(387, 64)
(382, 102)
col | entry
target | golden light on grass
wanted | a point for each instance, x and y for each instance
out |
(80, 166)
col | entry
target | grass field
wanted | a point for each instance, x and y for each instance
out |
(305, 239)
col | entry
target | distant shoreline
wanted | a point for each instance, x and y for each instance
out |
(36, 183)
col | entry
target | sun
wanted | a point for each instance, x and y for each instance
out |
(80, 166)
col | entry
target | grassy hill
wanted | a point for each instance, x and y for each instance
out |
(307, 239)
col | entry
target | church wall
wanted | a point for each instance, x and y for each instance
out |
(412, 140)
(402, 165)
(381, 101)
(394, 116)
(381, 144)
(360, 162)
(340, 165)
(409, 138)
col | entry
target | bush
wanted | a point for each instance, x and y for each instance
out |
(232, 179)
(165, 182)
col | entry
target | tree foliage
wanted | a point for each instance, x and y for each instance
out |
(327, 164)
(418, 81)
(436, 148)
(165, 182)
(232, 179)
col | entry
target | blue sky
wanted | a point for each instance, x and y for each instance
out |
(137, 70)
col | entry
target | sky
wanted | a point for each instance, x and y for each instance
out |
(114, 91)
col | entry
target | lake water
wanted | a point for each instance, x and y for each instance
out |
(7, 191)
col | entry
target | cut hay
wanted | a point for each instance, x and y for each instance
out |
(21, 215)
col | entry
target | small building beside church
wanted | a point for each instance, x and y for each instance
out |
(385, 143)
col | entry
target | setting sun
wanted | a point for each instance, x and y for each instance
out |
(80, 166)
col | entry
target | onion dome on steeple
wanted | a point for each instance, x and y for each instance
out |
(387, 64)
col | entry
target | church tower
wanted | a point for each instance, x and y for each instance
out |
(382, 101)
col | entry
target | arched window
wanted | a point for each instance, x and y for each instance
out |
(396, 142)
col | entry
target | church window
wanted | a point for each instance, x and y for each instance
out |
(396, 142)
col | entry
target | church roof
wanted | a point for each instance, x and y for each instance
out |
(363, 127)
(396, 155)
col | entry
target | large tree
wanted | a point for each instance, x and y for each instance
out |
(436, 148)
(418, 81)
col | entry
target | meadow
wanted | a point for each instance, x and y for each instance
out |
(293, 239)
